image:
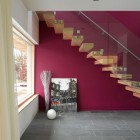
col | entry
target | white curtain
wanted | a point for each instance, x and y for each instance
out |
(9, 128)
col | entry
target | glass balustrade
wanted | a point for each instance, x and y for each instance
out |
(110, 37)
(118, 40)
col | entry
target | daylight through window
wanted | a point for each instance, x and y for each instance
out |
(24, 67)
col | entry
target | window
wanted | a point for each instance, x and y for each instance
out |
(24, 66)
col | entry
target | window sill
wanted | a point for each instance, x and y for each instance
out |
(26, 102)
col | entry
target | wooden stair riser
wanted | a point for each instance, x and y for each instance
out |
(104, 62)
(77, 40)
(68, 33)
(101, 59)
(49, 18)
(129, 88)
(133, 89)
(113, 69)
(94, 53)
(86, 47)
(121, 76)
(129, 83)
(58, 26)
(136, 95)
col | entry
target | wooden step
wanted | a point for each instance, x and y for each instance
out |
(94, 53)
(58, 26)
(49, 18)
(129, 83)
(133, 89)
(129, 88)
(98, 55)
(68, 33)
(104, 61)
(112, 69)
(86, 47)
(77, 40)
(40, 15)
(136, 95)
(121, 76)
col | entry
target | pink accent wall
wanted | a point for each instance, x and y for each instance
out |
(96, 90)
(131, 19)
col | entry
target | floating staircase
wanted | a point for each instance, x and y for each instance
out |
(111, 61)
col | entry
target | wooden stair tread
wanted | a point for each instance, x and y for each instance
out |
(86, 47)
(133, 89)
(136, 95)
(105, 61)
(121, 76)
(49, 18)
(129, 82)
(68, 33)
(58, 26)
(98, 55)
(77, 40)
(92, 54)
(112, 68)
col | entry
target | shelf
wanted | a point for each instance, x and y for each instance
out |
(86, 47)
(121, 76)
(68, 33)
(77, 40)
(133, 89)
(49, 18)
(129, 82)
(58, 26)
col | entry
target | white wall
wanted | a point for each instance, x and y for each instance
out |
(27, 114)
(81, 5)
(25, 21)
(33, 25)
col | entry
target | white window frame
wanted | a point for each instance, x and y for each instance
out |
(30, 66)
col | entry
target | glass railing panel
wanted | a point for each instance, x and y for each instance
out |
(127, 48)
(95, 32)
(109, 34)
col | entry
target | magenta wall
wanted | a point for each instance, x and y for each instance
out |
(131, 19)
(96, 90)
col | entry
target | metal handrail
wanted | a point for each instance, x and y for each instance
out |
(109, 35)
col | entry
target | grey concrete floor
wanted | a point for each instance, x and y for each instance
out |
(95, 125)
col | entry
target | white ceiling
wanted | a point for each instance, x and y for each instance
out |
(82, 5)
